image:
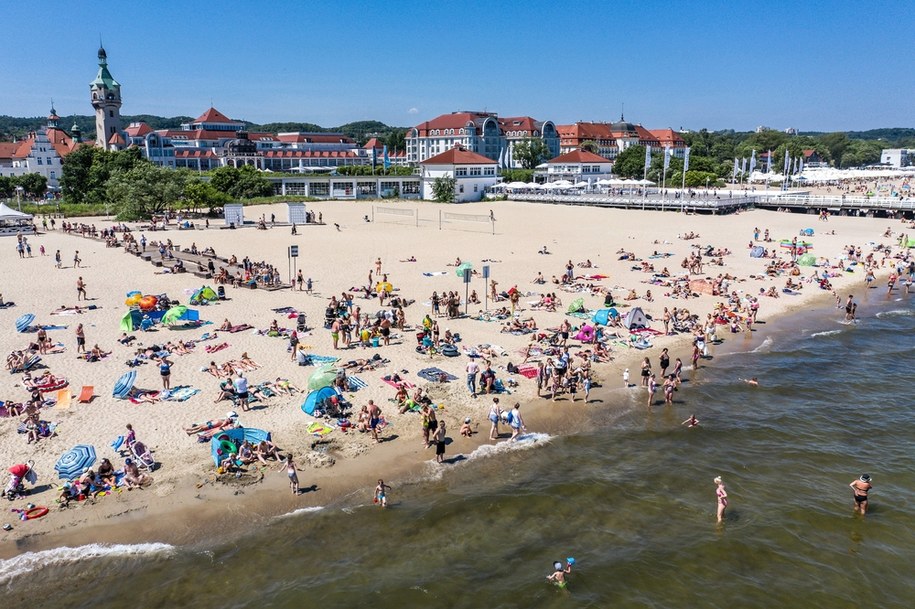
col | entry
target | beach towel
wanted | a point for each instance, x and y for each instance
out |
(527, 371)
(53, 327)
(397, 384)
(436, 375)
(178, 394)
(319, 429)
(284, 310)
(86, 394)
(240, 328)
(321, 359)
(435, 273)
(580, 315)
(63, 399)
(215, 348)
(147, 394)
(266, 390)
(356, 383)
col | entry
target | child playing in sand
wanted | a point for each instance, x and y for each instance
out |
(466, 430)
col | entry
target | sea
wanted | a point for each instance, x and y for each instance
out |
(627, 493)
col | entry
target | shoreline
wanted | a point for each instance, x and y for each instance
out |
(190, 514)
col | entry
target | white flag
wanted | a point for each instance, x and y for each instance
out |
(666, 157)
(734, 174)
(685, 160)
(743, 165)
(647, 157)
(502, 158)
(801, 170)
(769, 162)
(787, 161)
(752, 161)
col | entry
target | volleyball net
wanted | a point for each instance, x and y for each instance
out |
(395, 215)
(469, 222)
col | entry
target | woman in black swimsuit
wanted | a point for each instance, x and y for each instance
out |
(646, 372)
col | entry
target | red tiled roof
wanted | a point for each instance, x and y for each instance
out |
(585, 131)
(579, 156)
(809, 152)
(214, 116)
(374, 143)
(194, 153)
(116, 139)
(211, 134)
(519, 123)
(61, 141)
(295, 154)
(138, 129)
(25, 147)
(315, 138)
(455, 120)
(8, 149)
(459, 156)
(668, 136)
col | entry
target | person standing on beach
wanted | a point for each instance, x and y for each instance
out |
(646, 371)
(495, 413)
(335, 332)
(290, 467)
(76, 259)
(80, 290)
(165, 371)
(722, 496)
(374, 420)
(516, 422)
(664, 362)
(57, 263)
(80, 339)
(861, 487)
(300, 279)
(472, 370)
(438, 439)
(678, 368)
(652, 389)
(241, 391)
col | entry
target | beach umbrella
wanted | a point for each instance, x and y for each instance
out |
(577, 305)
(124, 384)
(465, 267)
(603, 316)
(322, 377)
(24, 322)
(384, 286)
(147, 303)
(174, 314)
(807, 260)
(72, 463)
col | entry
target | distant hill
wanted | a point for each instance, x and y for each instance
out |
(19, 127)
(887, 134)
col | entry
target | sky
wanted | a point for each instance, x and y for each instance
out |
(814, 66)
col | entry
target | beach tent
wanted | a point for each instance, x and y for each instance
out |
(911, 242)
(131, 320)
(239, 434)
(807, 260)
(8, 214)
(317, 397)
(204, 294)
(577, 305)
(757, 251)
(322, 377)
(807, 232)
(603, 316)
(634, 319)
(180, 313)
(465, 267)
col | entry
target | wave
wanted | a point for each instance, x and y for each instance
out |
(30, 562)
(524, 442)
(764, 346)
(304, 510)
(826, 333)
(897, 313)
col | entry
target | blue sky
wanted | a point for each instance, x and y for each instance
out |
(729, 64)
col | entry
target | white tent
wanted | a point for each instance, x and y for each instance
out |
(581, 185)
(533, 185)
(516, 185)
(562, 184)
(635, 319)
(11, 215)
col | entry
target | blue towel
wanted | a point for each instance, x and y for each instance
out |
(356, 383)
(178, 394)
(435, 375)
(321, 359)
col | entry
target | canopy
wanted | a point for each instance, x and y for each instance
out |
(7, 214)
(322, 377)
(204, 294)
(24, 322)
(516, 185)
(124, 384)
(807, 260)
(577, 305)
(316, 397)
(384, 286)
(465, 267)
(180, 313)
(130, 320)
(72, 463)
(251, 434)
(603, 316)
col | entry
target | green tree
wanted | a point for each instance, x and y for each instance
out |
(530, 152)
(7, 187)
(87, 169)
(396, 140)
(200, 193)
(590, 146)
(700, 178)
(517, 175)
(443, 189)
(34, 185)
(241, 182)
(145, 190)
(630, 163)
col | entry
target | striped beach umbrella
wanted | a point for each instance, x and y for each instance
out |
(124, 384)
(72, 463)
(24, 322)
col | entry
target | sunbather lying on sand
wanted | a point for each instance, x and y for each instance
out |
(231, 419)
(285, 386)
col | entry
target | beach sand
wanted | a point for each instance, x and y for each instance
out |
(184, 504)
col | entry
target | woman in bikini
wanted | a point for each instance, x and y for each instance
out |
(290, 467)
(722, 496)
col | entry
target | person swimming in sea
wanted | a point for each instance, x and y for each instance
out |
(558, 577)
(751, 381)
(692, 421)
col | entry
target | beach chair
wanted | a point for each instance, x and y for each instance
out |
(142, 456)
(86, 395)
(63, 399)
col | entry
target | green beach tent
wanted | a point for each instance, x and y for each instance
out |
(807, 260)
(322, 377)
(465, 267)
(577, 305)
(127, 321)
(174, 314)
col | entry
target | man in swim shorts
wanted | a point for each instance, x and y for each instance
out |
(374, 419)
(861, 487)
(380, 497)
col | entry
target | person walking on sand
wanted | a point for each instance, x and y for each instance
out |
(165, 371)
(861, 487)
(374, 419)
(438, 439)
(495, 413)
(76, 259)
(380, 497)
(80, 339)
(80, 290)
(300, 280)
(516, 422)
(57, 260)
(472, 370)
(290, 467)
(722, 496)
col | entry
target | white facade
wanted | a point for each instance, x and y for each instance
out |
(897, 157)
(42, 158)
(473, 174)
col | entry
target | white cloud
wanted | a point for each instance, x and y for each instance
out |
(413, 110)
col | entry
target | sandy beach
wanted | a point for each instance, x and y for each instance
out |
(184, 503)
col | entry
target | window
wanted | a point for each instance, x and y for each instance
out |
(48, 159)
(489, 171)
(476, 188)
(111, 113)
(53, 175)
(38, 158)
(461, 189)
(460, 172)
(476, 171)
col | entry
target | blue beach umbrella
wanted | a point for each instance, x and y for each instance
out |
(124, 384)
(24, 321)
(72, 463)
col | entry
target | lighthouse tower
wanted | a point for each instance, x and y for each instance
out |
(106, 99)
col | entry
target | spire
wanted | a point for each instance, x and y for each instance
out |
(76, 132)
(102, 55)
(53, 119)
(622, 112)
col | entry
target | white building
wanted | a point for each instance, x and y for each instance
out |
(577, 166)
(473, 174)
(41, 152)
(897, 157)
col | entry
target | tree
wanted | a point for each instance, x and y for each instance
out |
(396, 140)
(87, 169)
(145, 190)
(443, 189)
(700, 178)
(241, 183)
(517, 175)
(530, 152)
(590, 146)
(33, 185)
(200, 193)
(7, 187)
(630, 163)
